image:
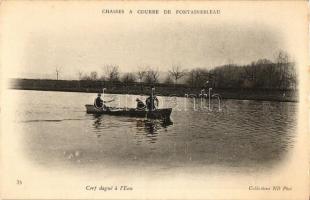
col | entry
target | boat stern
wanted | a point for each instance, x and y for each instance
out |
(91, 108)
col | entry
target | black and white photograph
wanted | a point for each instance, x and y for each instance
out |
(154, 100)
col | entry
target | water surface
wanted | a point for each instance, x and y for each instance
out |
(240, 135)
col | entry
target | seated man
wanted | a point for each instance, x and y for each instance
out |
(100, 104)
(140, 104)
(98, 101)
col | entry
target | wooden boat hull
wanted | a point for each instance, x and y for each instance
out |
(163, 113)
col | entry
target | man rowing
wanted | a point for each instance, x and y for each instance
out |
(100, 104)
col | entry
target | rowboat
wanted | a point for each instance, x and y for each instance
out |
(163, 113)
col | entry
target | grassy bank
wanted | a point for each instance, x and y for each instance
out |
(144, 89)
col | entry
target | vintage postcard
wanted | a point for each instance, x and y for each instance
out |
(154, 100)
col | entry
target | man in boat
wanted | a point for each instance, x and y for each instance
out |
(152, 101)
(99, 103)
(140, 104)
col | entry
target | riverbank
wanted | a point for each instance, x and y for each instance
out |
(144, 89)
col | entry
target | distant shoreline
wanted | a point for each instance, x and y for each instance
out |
(178, 90)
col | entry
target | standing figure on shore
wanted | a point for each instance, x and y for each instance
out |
(152, 101)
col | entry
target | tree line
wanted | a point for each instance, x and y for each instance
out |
(260, 74)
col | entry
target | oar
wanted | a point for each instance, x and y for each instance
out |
(109, 101)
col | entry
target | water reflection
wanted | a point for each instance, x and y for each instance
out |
(98, 124)
(151, 126)
(247, 134)
(148, 127)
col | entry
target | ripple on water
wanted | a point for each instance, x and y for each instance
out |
(243, 134)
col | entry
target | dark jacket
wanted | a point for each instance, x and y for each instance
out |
(140, 104)
(151, 102)
(98, 102)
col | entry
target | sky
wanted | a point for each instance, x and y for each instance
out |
(88, 42)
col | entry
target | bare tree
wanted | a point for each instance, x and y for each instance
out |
(57, 73)
(152, 76)
(93, 75)
(197, 77)
(129, 78)
(177, 72)
(86, 77)
(141, 74)
(80, 75)
(168, 79)
(111, 73)
(282, 63)
(281, 57)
